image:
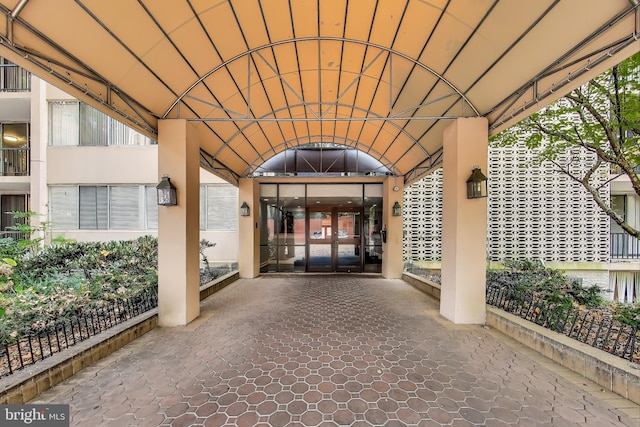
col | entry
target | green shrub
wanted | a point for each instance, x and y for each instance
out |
(523, 279)
(65, 279)
(628, 314)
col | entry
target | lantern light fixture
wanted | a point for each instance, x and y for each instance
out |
(476, 184)
(396, 209)
(167, 194)
(244, 209)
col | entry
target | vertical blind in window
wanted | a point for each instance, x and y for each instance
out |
(76, 123)
(94, 126)
(93, 208)
(64, 123)
(122, 134)
(134, 207)
(151, 206)
(124, 208)
(222, 210)
(63, 207)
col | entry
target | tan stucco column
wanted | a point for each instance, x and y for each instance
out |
(392, 265)
(248, 229)
(179, 226)
(464, 223)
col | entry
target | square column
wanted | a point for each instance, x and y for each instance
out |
(248, 229)
(392, 265)
(464, 223)
(179, 226)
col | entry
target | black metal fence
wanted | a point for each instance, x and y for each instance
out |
(68, 332)
(596, 328)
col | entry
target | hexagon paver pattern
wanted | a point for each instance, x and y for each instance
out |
(325, 350)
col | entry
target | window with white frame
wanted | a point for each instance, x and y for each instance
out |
(151, 207)
(124, 207)
(218, 207)
(103, 207)
(63, 207)
(94, 127)
(64, 123)
(78, 124)
(94, 207)
(134, 207)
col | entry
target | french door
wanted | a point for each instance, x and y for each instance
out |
(334, 240)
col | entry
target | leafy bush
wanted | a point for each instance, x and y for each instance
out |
(68, 278)
(524, 278)
(521, 279)
(627, 313)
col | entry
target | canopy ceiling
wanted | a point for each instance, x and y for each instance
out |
(259, 76)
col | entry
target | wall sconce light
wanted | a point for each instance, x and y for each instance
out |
(244, 209)
(476, 184)
(167, 195)
(396, 210)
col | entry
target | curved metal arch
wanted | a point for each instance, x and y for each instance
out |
(303, 105)
(387, 163)
(337, 39)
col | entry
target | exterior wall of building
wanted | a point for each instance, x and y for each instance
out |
(537, 213)
(71, 166)
(534, 213)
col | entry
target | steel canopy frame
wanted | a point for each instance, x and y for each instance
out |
(368, 115)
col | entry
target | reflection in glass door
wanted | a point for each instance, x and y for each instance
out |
(319, 240)
(334, 239)
(348, 240)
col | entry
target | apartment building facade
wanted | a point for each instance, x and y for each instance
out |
(88, 176)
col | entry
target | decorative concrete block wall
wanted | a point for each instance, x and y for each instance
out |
(534, 212)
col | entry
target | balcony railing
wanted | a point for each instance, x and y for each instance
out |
(15, 235)
(15, 162)
(624, 246)
(14, 78)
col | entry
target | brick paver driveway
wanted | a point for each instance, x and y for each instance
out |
(326, 350)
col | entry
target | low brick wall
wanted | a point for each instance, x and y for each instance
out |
(613, 373)
(422, 284)
(26, 384)
(221, 282)
(29, 382)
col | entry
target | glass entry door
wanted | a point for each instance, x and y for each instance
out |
(334, 240)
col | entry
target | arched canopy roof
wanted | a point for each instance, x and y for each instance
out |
(257, 77)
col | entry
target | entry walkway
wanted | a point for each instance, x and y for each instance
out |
(330, 350)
